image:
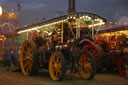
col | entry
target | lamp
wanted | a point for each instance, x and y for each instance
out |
(0, 10)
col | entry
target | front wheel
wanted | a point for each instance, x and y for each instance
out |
(87, 66)
(57, 66)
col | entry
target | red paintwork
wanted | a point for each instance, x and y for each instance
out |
(113, 46)
(121, 67)
(91, 48)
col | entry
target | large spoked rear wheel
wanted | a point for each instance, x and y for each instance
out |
(87, 66)
(57, 66)
(97, 52)
(28, 58)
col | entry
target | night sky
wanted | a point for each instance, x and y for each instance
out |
(33, 11)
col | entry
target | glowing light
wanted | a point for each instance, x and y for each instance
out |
(86, 16)
(89, 18)
(46, 31)
(0, 10)
(74, 17)
(50, 33)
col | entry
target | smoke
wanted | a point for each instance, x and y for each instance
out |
(121, 16)
(122, 20)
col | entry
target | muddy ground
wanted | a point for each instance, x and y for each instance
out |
(42, 78)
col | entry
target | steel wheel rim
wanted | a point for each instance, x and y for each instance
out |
(26, 58)
(85, 67)
(55, 66)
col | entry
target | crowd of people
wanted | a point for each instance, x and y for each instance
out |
(11, 58)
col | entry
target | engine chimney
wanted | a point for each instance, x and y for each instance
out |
(71, 8)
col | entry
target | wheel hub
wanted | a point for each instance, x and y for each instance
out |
(56, 66)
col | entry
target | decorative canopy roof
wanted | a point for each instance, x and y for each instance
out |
(80, 15)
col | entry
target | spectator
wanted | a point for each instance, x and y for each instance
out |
(34, 35)
(67, 32)
(8, 59)
(16, 57)
(5, 58)
(13, 59)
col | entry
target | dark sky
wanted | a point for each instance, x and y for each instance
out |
(33, 11)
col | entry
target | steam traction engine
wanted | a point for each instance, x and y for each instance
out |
(114, 43)
(59, 46)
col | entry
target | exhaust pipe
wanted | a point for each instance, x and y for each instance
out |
(71, 8)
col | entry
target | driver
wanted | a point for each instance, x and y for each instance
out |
(85, 33)
(67, 33)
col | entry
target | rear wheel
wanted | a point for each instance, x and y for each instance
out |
(97, 52)
(28, 58)
(57, 66)
(87, 66)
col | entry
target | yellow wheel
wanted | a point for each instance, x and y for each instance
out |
(87, 66)
(57, 66)
(28, 58)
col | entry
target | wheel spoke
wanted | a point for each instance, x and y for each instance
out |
(94, 52)
(55, 58)
(82, 59)
(31, 56)
(96, 55)
(27, 69)
(29, 48)
(58, 60)
(29, 51)
(24, 52)
(27, 45)
(30, 63)
(59, 67)
(24, 59)
(25, 65)
(56, 74)
(88, 60)
(88, 67)
(30, 66)
(54, 69)
(30, 59)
